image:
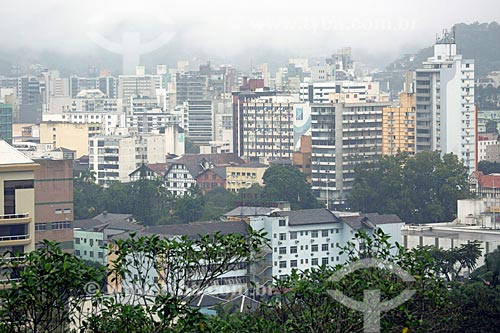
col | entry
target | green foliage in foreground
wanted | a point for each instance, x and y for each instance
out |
(54, 286)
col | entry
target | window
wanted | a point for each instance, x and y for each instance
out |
(67, 210)
(58, 211)
(282, 264)
(324, 261)
(60, 225)
(293, 263)
(324, 247)
(40, 226)
(91, 254)
(314, 234)
(293, 234)
(314, 261)
(100, 254)
(100, 242)
(324, 233)
(314, 248)
(77, 240)
(77, 253)
(282, 250)
(337, 231)
(282, 236)
(282, 223)
(293, 249)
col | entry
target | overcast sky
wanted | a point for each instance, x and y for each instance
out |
(229, 27)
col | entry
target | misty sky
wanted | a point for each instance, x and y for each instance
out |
(226, 28)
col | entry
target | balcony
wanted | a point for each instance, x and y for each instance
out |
(7, 219)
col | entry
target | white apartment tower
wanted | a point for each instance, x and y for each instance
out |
(445, 109)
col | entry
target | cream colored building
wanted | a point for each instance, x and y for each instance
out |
(244, 176)
(68, 135)
(398, 126)
(17, 201)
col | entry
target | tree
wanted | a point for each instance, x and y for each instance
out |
(301, 302)
(420, 188)
(88, 197)
(452, 261)
(287, 183)
(48, 289)
(184, 267)
(488, 167)
(189, 207)
(218, 202)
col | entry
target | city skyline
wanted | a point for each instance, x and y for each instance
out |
(378, 33)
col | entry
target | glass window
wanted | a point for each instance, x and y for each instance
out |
(314, 248)
(282, 250)
(293, 249)
(293, 235)
(314, 261)
(324, 233)
(293, 263)
(282, 264)
(324, 247)
(282, 236)
(314, 234)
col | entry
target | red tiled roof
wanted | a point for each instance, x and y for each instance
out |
(158, 168)
(488, 181)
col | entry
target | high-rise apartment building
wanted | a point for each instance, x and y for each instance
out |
(6, 122)
(133, 85)
(200, 121)
(343, 136)
(267, 128)
(398, 126)
(445, 112)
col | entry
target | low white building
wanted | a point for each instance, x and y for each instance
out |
(477, 220)
(307, 238)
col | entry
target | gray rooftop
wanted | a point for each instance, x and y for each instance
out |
(97, 225)
(192, 230)
(107, 217)
(250, 211)
(371, 220)
(309, 216)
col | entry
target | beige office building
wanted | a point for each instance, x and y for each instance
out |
(68, 135)
(17, 200)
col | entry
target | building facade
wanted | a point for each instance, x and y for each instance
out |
(398, 126)
(6, 122)
(17, 201)
(343, 136)
(267, 128)
(54, 202)
(445, 111)
(309, 238)
(244, 176)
